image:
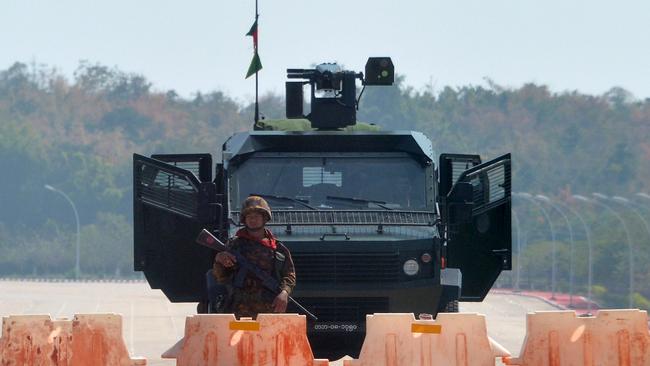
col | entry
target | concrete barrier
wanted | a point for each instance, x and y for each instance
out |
(37, 340)
(450, 340)
(220, 339)
(97, 340)
(612, 338)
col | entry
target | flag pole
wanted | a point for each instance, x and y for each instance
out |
(257, 106)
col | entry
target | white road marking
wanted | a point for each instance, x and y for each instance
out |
(171, 318)
(57, 315)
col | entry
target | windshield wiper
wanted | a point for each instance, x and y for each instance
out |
(290, 199)
(359, 200)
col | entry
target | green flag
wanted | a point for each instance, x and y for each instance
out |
(256, 65)
(253, 33)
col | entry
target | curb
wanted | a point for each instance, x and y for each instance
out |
(579, 312)
(68, 280)
(524, 294)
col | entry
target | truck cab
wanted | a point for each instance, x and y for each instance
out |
(373, 222)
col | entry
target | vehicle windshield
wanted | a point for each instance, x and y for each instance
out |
(343, 183)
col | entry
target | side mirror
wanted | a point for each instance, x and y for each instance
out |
(460, 203)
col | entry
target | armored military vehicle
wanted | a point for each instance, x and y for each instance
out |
(374, 223)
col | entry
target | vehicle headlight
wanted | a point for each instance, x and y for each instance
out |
(411, 267)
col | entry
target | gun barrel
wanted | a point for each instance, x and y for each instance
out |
(295, 71)
(300, 73)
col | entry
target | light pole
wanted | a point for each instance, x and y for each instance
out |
(77, 269)
(629, 243)
(550, 202)
(627, 203)
(529, 197)
(589, 255)
(631, 206)
(627, 234)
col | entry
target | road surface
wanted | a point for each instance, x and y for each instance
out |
(151, 324)
(506, 317)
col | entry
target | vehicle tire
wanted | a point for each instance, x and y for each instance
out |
(334, 346)
(202, 307)
(451, 307)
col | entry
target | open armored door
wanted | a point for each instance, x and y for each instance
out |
(478, 229)
(173, 199)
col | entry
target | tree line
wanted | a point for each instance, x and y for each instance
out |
(78, 135)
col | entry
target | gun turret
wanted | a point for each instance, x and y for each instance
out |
(334, 100)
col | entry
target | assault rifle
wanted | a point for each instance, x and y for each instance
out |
(206, 238)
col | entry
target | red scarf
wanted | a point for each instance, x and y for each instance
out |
(268, 240)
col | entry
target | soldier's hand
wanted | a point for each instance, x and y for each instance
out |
(225, 259)
(280, 302)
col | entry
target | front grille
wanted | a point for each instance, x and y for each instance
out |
(350, 217)
(343, 309)
(347, 267)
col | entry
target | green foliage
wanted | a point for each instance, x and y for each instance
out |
(116, 84)
(79, 135)
(598, 291)
(388, 106)
(107, 246)
(22, 164)
(641, 302)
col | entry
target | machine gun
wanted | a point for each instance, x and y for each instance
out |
(334, 100)
(206, 238)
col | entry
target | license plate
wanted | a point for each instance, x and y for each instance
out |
(337, 327)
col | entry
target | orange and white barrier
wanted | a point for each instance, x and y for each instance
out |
(220, 339)
(450, 340)
(30, 340)
(612, 338)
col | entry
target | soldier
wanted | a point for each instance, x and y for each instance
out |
(258, 245)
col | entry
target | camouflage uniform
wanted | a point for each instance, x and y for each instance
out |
(253, 298)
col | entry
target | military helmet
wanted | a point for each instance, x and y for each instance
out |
(255, 203)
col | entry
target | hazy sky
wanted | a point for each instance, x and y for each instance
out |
(195, 45)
